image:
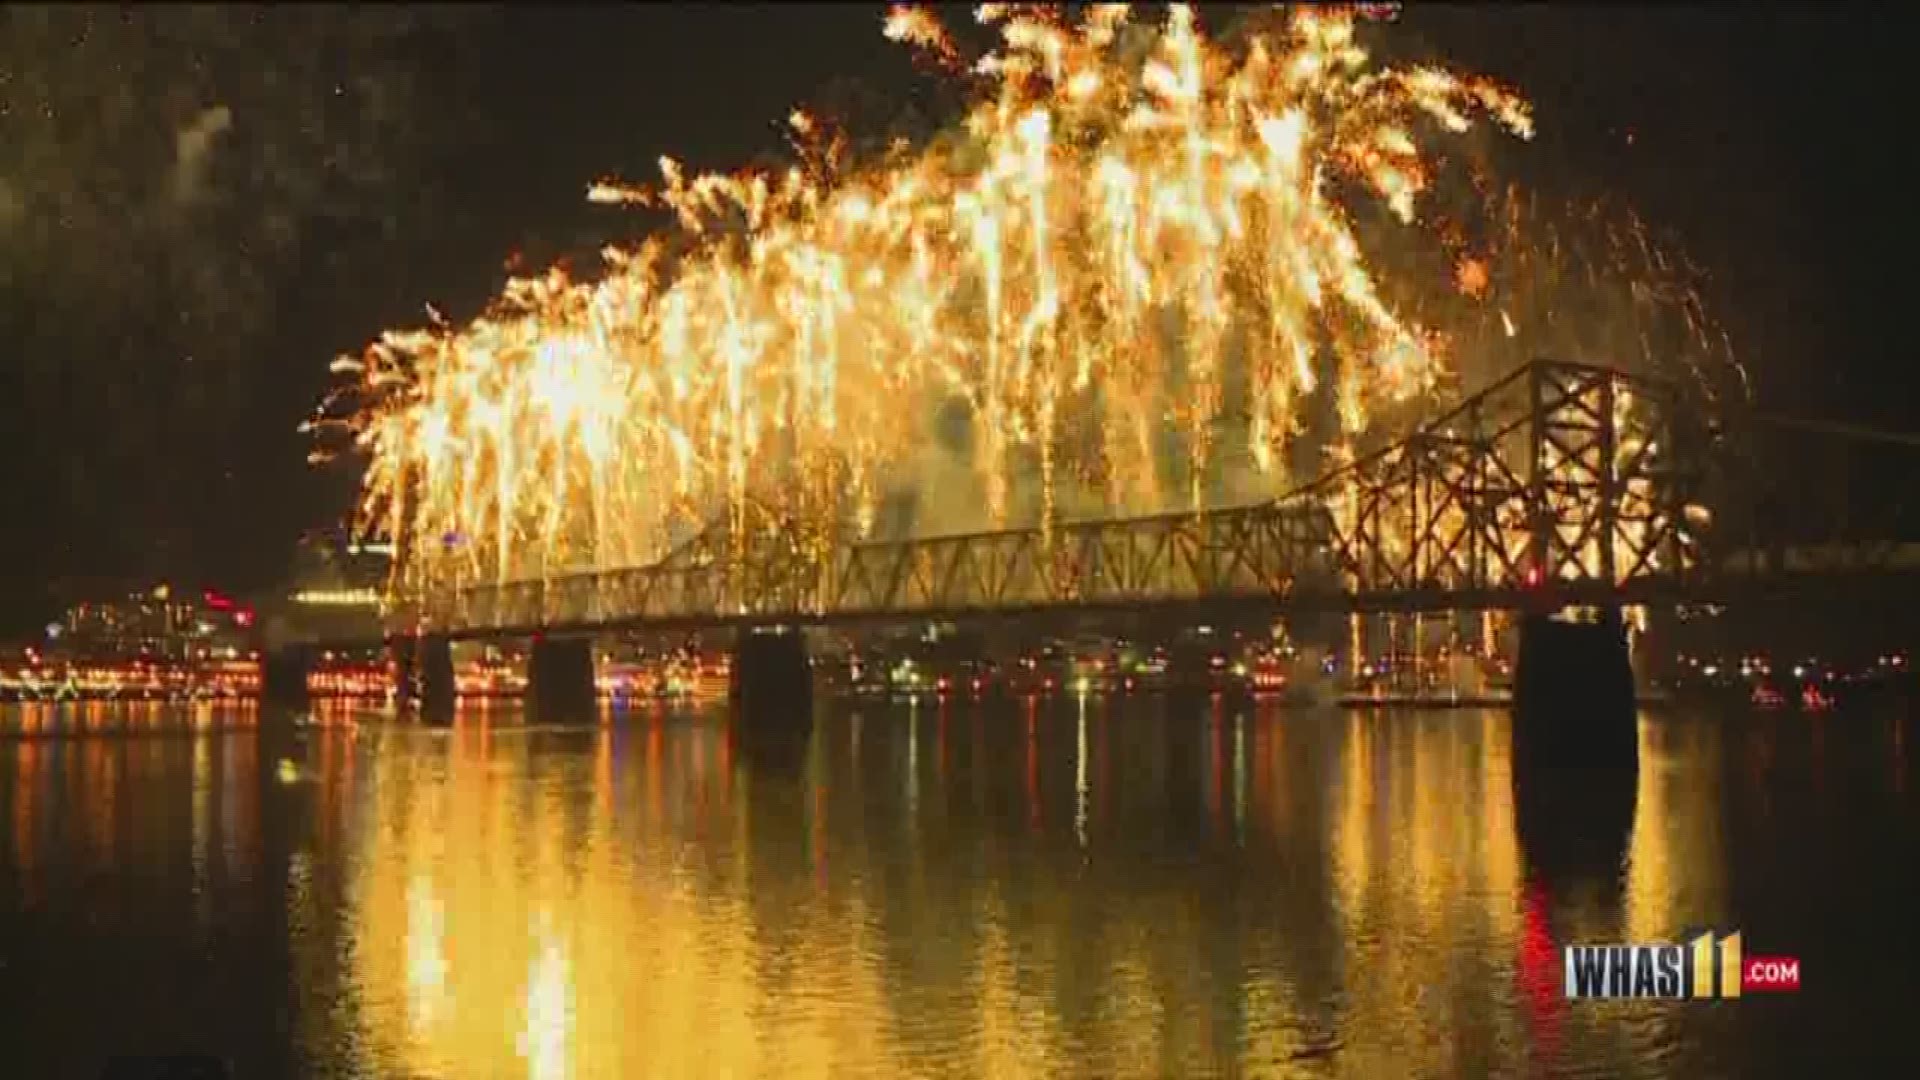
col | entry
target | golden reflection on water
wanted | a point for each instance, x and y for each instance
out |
(1676, 878)
(527, 925)
(1096, 888)
(618, 901)
(1426, 864)
(25, 796)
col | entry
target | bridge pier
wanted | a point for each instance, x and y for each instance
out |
(771, 687)
(560, 680)
(283, 675)
(1573, 693)
(1575, 743)
(424, 676)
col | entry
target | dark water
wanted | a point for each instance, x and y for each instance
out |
(1099, 890)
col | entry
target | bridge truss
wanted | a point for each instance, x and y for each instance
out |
(1560, 476)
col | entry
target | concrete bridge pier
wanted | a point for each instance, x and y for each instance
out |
(771, 688)
(1573, 693)
(424, 676)
(283, 675)
(1575, 743)
(560, 680)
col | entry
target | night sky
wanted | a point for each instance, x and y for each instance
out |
(199, 208)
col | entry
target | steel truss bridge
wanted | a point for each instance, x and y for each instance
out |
(1562, 482)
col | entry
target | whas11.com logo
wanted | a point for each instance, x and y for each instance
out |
(1709, 967)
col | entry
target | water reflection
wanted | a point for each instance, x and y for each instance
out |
(1107, 889)
(1090, 887)
(90, 812)
(129, 872)
(66, 719)
(1676, 878)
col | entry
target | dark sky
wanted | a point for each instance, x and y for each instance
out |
(200, 207)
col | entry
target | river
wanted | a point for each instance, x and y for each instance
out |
(1076, 888)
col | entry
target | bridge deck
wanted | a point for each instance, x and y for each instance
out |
(1567, 474)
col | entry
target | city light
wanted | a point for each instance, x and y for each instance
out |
(338, 597)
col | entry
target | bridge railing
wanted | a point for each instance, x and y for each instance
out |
(1253, 551)
(1243, 552)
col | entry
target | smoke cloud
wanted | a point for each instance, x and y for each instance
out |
(192, 146)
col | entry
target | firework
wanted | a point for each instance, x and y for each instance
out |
(1121, 279)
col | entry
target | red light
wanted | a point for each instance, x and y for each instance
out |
(1533, 577)
(243, 618)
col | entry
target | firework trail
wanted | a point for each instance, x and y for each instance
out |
(1115, 288)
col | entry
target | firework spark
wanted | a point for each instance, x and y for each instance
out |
(1135, 260)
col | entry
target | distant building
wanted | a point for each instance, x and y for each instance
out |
(334, 592)
(159, 623)
(333, 570)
